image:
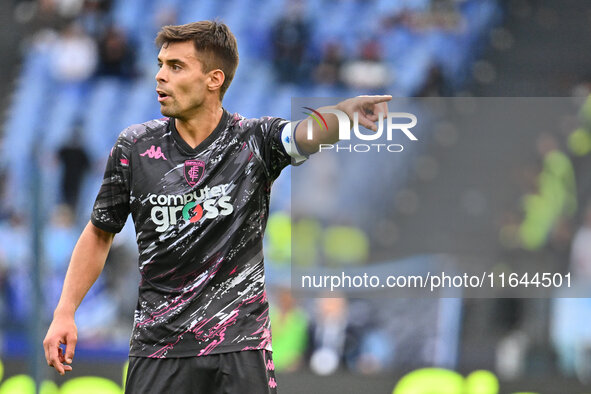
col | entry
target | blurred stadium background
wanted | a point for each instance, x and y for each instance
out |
(76, 72)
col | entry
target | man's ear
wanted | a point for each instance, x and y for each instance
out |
(216, 79)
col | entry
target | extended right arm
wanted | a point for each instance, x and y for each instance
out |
(86, 264)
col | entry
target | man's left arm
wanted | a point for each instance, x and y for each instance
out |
(367, 108)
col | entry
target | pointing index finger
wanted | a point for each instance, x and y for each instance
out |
(377, 98)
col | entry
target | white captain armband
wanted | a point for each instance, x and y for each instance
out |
(290, 145)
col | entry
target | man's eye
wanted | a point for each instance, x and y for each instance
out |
(176, 67)
(159, 65)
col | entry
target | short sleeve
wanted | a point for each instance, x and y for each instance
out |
(111, 206)
(279, 148)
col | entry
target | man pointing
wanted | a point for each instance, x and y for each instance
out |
(197, 185)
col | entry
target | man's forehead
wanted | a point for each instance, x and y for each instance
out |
(184, 50)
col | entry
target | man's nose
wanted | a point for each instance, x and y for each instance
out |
(161, 75)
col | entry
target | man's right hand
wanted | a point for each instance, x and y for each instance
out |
(62, 331)
(86, 264)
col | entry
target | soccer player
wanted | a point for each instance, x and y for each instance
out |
(197, 185)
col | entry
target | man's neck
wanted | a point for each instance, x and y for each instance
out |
(197, 128)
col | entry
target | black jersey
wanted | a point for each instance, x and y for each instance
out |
(199, 216)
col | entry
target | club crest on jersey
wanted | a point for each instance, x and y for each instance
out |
(194, 170)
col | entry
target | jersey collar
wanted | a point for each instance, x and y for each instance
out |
(186, 148)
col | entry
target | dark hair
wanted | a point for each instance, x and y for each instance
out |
(215, 44)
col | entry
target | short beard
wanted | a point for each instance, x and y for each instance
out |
(167, 112)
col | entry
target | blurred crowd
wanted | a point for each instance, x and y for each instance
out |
(87, 71)
(84, 41)
(555, 220)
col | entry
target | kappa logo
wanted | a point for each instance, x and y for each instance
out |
(270, 365)
(272, 383)
(194, 170)
(154, 153)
